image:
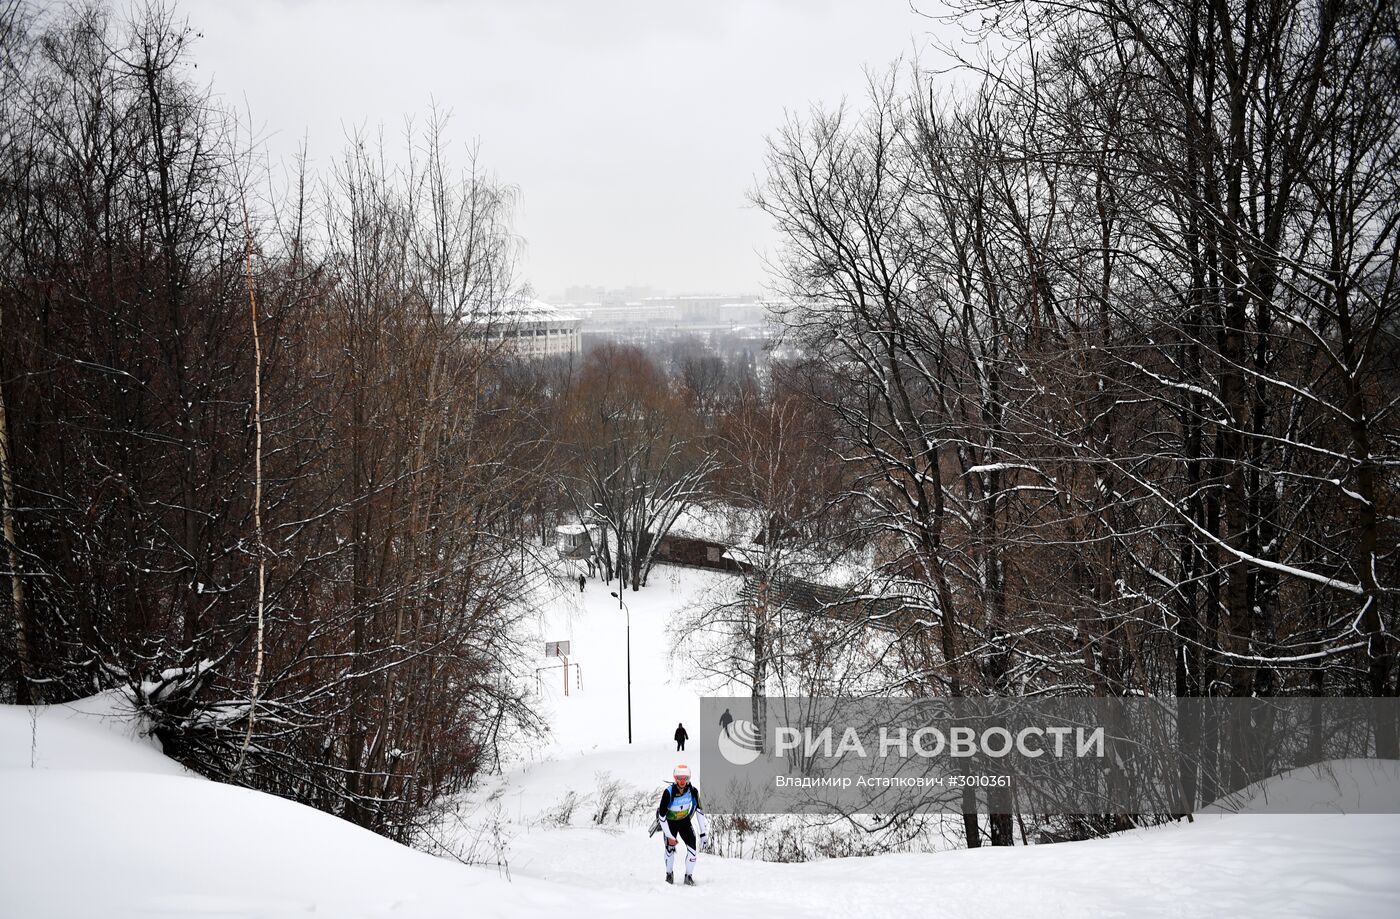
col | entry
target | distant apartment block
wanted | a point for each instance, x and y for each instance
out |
(699, 309)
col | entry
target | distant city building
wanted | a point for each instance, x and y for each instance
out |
(536, 329)
(700, 309)
(605, 296)
(651, 316)
(646, 312)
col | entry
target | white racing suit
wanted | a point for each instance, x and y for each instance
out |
(674, 817)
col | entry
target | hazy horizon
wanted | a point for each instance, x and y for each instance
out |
(632, 131)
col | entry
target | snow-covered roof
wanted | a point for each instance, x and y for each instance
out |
(722, 524)
(846, 571)
(529, 310)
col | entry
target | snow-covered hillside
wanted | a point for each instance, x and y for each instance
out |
(97, 823)
(595, 717)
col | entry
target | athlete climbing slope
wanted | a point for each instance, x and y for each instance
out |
(680, 804)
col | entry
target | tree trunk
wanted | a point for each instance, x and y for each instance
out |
(27, 691)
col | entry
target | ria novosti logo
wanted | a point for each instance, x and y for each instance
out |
(1067, 755)
(738, 740)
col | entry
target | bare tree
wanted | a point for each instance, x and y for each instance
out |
(638, 461)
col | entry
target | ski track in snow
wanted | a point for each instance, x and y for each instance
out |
(96, 823)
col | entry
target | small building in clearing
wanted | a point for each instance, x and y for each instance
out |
(703, 535)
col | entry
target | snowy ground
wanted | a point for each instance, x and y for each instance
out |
(95, 822)
(595, 718)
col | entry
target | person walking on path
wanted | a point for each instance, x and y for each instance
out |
(725, 721)
(582, 583)
(680, 804)
(681, 737)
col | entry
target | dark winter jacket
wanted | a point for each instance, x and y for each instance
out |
(681, 734)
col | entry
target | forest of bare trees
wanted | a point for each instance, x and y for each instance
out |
(1115, 336)
(141, 237)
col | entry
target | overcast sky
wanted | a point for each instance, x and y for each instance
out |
(632, 128)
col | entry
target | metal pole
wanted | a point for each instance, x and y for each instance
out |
(623, 606)
(629, 677)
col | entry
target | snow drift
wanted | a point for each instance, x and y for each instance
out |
(99, 824)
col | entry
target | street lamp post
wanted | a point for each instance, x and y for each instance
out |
(628, 613)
